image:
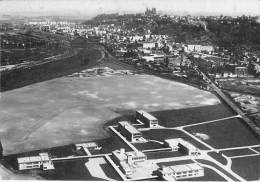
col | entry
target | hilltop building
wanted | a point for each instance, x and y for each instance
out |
(150, 12)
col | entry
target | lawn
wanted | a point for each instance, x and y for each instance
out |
(173, 163)
(238, 152)
(148, 145)
(160, 155)
(180, 117)
(247, 167)
(70, 170)
(225, 134)
(217, 167)
(218, 157)
(80, 170)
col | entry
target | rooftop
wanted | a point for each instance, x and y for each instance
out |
(122, 155)
(87, 145)
(182, 168)
(41, 157)
(147, 115)
(129, 127)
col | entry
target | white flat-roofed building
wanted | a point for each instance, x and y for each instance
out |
(130, 132)
(183, 171)
(42, 161)
(132, 157)
(89, 145)
(149, 45)
(149, 120)
(128, 161)
(172, 143)
(241, 71)
(188, 148)
(198, 48)
(178, 144)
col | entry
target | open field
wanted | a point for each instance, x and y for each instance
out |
(48, 69)
(70, 110)
(247, 167)
(227, 133)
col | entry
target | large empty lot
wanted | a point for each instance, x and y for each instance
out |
(68, 110)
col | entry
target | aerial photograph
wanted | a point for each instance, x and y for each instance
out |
(130, 90)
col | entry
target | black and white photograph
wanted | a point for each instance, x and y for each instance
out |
(130, 90)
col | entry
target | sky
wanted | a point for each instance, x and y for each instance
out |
(87, 8)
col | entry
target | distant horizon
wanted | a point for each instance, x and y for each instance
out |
(89, 8)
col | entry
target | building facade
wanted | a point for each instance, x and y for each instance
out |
(149, 120)
(241, 71)
(129, 132)
(128, 161)
(41, 161)
(178, 144)
(183, 171)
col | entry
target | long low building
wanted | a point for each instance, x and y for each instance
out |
(149, 120)
(33, 162)
(178, 144)
(130, 132)
(183, 171)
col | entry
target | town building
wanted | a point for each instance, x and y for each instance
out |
(130, 132)
(183, 171)
(241, 71)
(33, 162)
(149, 45)
(149, 120)
(128, 161)
(198, 48)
